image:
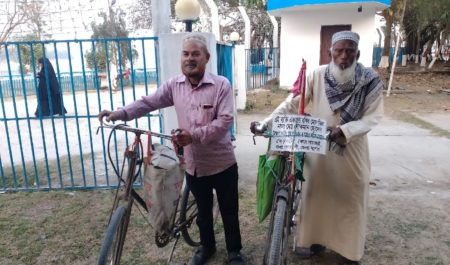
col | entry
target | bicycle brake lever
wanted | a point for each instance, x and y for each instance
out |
(180, 149)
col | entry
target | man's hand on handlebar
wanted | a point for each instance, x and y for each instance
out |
(257, 127)
(183, 137)
(335, 133)
(108, 115)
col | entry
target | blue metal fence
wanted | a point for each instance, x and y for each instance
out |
(66, 80)
(262, 65)
(377, 53)
(54, 150)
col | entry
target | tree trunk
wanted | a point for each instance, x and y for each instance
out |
(426, 52)
(417, 46)
(384, 63)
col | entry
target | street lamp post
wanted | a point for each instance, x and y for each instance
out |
(188, 11)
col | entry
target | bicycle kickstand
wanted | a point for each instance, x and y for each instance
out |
(169, 261)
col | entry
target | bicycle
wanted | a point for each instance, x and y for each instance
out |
(286, 200)
(185, 214)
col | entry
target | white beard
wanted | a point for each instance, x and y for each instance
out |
(343, 76)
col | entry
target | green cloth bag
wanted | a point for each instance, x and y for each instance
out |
(268, 170)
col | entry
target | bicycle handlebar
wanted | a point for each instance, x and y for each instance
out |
(124, 127)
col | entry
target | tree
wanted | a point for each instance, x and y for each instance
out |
(27, 57)
(392, 16)
(113, 26)
(21, 13)
(425, 22)
(262, 29)
(230, 21)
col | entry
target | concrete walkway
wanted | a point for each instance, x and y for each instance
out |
(398, 151)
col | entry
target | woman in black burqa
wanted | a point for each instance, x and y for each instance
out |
(54, 97)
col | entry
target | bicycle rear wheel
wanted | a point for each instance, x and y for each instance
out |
(188, 214)
(274, 253)
(111, 250)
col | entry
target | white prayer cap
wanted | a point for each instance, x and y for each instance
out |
(345, 35)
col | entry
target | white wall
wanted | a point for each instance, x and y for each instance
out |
(300, 37)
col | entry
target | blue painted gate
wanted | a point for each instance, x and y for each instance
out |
(225, 68)
(63, 151)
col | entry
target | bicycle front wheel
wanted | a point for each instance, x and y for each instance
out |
(111, 250)
(188, 215)
(274, 256)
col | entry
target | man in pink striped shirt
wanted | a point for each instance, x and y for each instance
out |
(204, 107)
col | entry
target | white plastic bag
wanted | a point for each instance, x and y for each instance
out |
(163, 179)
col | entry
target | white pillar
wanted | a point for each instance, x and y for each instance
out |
(214, 19)
(275, 30)
(240, 81)
(169, 53)
(247, 26)
(161, 15)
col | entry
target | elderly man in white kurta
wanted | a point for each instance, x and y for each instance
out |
(348, 96)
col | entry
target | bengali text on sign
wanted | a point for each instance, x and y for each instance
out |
(298, 133)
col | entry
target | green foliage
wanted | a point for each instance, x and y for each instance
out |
(27, 56)
(97, 58)
(112, 27)
(426, 20)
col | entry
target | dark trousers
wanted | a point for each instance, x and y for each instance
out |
(226, 185)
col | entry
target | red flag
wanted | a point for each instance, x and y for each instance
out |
(299, 87)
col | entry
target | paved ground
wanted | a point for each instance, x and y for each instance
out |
(397, 149)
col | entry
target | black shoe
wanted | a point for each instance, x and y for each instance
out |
(235, 258)
(317, 249)
(306, 253)
(202, 255)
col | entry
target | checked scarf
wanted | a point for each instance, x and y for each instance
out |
(354, 97)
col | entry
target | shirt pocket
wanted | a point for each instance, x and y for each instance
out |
(204, 114)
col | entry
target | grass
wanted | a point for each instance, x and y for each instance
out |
(265, 100)
(42, 178)
(67, 228)
(410, 118)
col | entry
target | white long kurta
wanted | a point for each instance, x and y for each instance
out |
(334, 205)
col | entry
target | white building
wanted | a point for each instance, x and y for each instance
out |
(307, 27)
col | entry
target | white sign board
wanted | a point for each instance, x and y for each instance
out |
(298, 133)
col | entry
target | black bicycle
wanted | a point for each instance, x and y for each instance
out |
(126, 196)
